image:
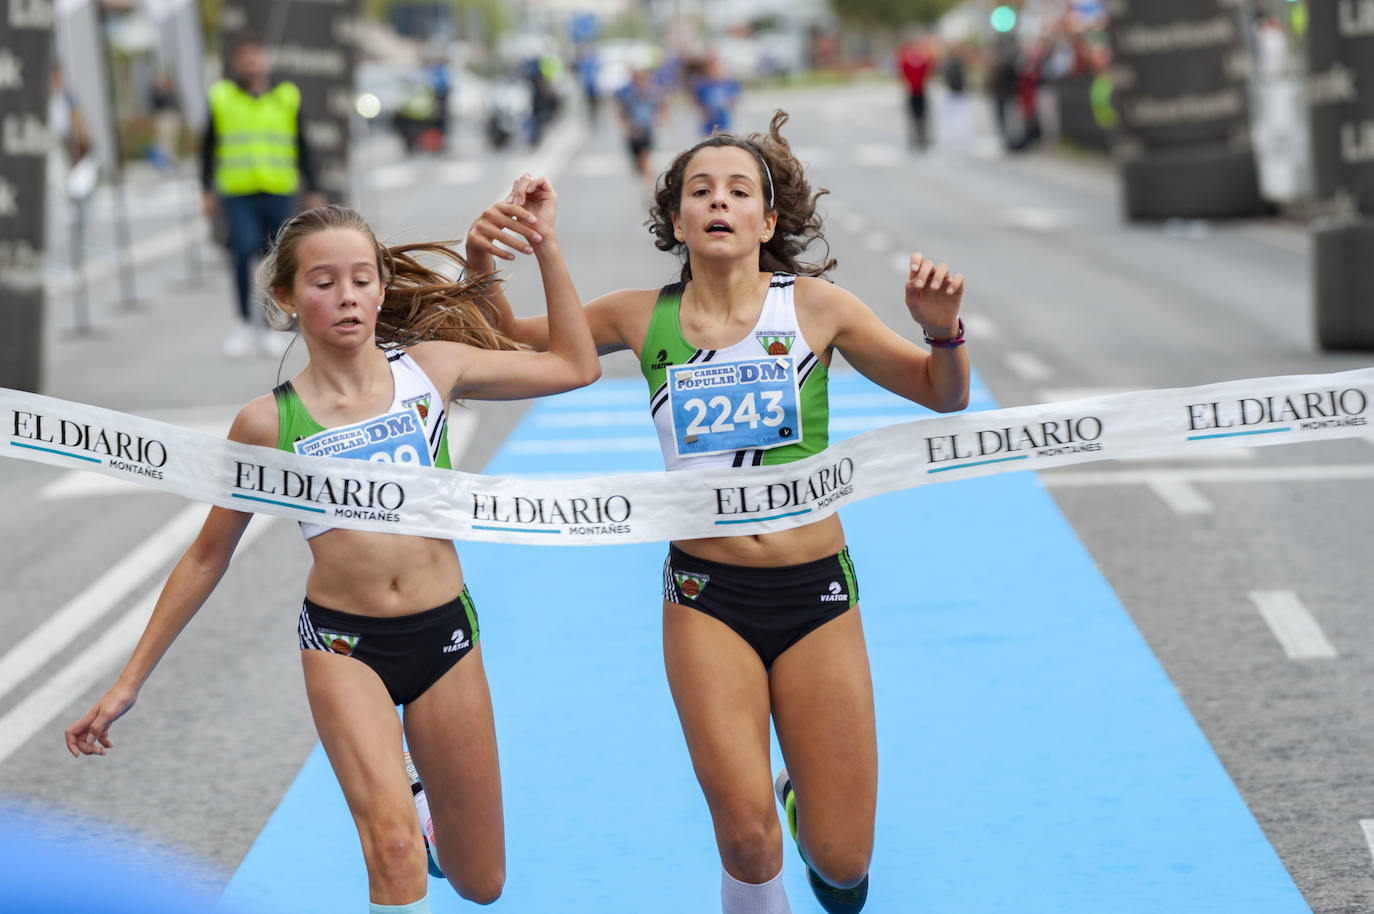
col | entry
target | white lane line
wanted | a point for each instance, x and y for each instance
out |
(592, 419)
(586, 445)
(875, 156)
(394, 177)
(1180, 495)
(877, 242)
(1025, 366)
(1063, 394)
(462, 425)
(65, 625)
(854, 223)
(979, 327)
(92, 665)
(601, 166)
(1367, 826)
(1032, 219)
(1297, 632)
(634, 395)
(460, 172)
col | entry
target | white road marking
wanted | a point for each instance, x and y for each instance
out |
(872, 155)
(877, 242)
(1180, 495)
(1367, 826)
(462, 425)
(1294, 627)
(63, 626)
(902, 264)
(586, 445)
(854, 223)
(601, 166)
(394, 177)
(460, 172)
(1026, 366)
(592, 418)
(1064, 394)
(1032, 219)
(980, 327)
(92, 665)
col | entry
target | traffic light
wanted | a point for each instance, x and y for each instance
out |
(1003, 19)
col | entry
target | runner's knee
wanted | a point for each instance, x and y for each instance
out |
(842, 867)
(750, 843)
(394, 852)
(479, 888)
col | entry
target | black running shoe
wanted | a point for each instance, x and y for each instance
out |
(835, 901)
(838, 901)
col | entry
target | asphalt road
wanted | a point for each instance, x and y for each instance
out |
(1064, 300)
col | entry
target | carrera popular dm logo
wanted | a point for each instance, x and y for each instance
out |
(1051, 438)
(1307, 412)
(90, 443)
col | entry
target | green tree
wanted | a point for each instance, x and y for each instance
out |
(891, 14)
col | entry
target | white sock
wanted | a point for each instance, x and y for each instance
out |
(747, 898)
(415, 907)
(426, 822)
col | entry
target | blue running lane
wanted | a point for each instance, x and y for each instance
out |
(1033, 754)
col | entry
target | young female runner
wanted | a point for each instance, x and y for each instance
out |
(763, 624)
(387, 619)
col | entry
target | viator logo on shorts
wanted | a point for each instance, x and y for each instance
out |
(836, 595)
(460, 642)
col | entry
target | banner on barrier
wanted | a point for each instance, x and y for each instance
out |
(389, 497)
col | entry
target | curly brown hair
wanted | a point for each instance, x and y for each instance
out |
(419, 301)
(791, 198)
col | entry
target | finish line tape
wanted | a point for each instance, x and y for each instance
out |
(647, 507)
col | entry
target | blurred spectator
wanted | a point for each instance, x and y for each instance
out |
(1004, 82)
(65, 120)
(640, 105)
(715, 94)
(915, 60)
(541, 74)
(162, 101)
(441, 85)
(956, 116)
(588, 72)
(254, 159)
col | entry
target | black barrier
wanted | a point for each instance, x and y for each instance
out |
(1181, 71)
(1340, 60)
(1078, 121)
(25, 59)
(311, 43)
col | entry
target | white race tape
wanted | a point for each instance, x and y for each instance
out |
(645, 507)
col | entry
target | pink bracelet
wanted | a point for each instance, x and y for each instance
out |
(953, 342)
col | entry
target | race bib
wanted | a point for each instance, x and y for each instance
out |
(733, 406)
(397, 437)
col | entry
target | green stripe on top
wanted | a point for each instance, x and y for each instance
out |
(664, 344)
(294, 421)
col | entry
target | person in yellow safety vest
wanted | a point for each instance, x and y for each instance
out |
(254, 161)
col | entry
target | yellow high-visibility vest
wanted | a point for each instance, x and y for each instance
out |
(255, 139)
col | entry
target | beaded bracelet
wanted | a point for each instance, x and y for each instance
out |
(953, 342)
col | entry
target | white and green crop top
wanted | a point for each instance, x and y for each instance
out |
(413, 430)
(761, 401)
